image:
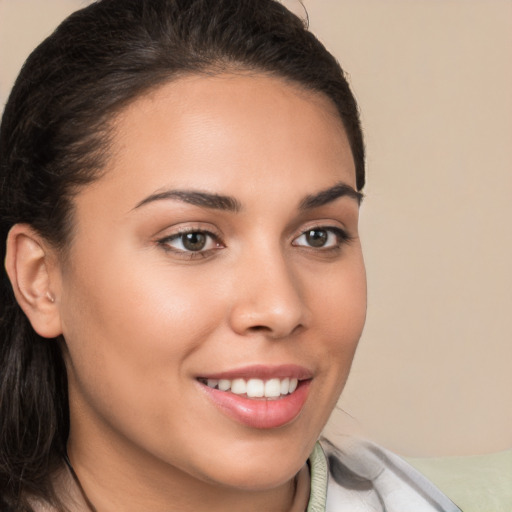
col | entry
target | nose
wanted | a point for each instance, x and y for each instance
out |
(269, 298)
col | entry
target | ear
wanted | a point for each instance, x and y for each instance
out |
(31, 266)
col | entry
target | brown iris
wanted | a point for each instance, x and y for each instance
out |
(316, 237)
(194, 241)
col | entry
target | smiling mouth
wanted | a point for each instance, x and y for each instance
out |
(259, 396)
(270, 389)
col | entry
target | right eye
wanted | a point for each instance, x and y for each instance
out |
(193, 241)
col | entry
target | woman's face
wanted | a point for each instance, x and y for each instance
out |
(220, 248)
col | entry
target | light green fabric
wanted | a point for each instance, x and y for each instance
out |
(476, 484)
(319, 476)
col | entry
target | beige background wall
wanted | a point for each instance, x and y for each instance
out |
(434, 79)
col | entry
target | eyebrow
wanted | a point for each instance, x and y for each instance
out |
(330, 194)
(230, 204)
(196, 198)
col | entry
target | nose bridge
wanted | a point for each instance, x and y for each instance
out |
(269, 295)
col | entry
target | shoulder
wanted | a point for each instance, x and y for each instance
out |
(362, 477)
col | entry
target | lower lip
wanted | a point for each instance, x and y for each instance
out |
(260, 413)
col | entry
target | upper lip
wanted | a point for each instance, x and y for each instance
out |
(261, 371)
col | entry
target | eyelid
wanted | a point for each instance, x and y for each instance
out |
(342, 235)
(164, 241)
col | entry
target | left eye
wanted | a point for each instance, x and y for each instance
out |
(191, 241)
(321, 238)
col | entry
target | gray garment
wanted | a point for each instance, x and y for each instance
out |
(359, 476)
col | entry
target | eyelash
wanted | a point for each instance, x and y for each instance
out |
(342, 238)
(190, 254)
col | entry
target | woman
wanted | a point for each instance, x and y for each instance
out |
(184, 286)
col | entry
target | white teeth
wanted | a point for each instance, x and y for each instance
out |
(272, 388)
(213, 383)
(239, 387)
(256, 388)
(224, 384)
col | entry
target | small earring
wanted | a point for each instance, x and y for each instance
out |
(51, 298)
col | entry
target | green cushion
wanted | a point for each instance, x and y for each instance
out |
(481, 483)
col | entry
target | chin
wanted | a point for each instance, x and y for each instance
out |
(254, 477)
(261, 464)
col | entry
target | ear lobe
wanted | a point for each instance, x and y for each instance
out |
(29, 262)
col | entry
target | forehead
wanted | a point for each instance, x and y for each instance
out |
(228, 131)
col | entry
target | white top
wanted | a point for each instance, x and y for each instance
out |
(360, 476)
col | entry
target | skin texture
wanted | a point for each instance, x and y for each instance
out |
(142, 318)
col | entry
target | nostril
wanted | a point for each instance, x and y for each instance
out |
(259, 328)
(273, 333)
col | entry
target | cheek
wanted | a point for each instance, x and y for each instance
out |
(131, 330)
(340, 318)
(135, 303)
(341, 305)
